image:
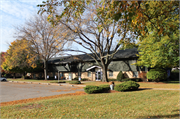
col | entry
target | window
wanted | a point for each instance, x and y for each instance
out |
(110, 73)
(89, 74)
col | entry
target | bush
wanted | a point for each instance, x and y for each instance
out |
(96, 89)
(84, 79)
(132, 79)
(127, 86)
(75, 79)
(104, 88)
(174, 75)
(120, 76)
(92, 89)
(157, 75)
(74, 82)
(112, 79)
(62, 82)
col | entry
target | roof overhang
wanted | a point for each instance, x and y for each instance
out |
(93, 67)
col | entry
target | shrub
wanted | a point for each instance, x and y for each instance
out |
(127, 86)
(132, 79)
(96, 89)
(104, 88)
(112, 79)
(75, 79)
(62, 82)
(174, 75)
(74, 82)
(92, 89)
(84, 79)
(157, 75)
(120, 76)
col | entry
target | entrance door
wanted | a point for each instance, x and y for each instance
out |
(98, 75)
(70, 76)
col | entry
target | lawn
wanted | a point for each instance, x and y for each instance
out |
(136, 104)
(142, 84)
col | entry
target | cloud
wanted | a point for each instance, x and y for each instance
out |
(14, 13)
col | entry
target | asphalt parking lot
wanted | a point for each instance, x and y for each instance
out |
(10, 91)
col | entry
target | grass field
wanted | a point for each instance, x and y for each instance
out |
(136, 104)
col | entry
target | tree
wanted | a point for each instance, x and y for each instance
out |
(2, 59)
(46, 39)
(19, 57)
(159, 43)
(90, 22)
(156, 25)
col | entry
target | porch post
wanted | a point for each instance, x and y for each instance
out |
(58, 76)
(79, 71)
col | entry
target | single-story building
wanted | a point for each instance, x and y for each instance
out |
(83, 65)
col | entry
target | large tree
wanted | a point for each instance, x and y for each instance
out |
(20, 57)
(91, 23)
(157, 25)
(46, 39)
(2, 59)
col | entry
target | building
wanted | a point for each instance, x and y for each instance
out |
(70, 67)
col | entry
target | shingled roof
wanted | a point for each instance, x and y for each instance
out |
(120, 55)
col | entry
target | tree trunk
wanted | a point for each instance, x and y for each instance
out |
(105, 79)
(45, 70)
(14, 75)
(24, 74)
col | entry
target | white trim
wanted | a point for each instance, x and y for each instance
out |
(93, 67)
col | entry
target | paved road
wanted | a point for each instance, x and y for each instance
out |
(10, 91)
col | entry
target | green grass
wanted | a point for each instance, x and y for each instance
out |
(136, 104)
(97, 83)
(142, 84)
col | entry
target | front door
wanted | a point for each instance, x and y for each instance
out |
(70, 76)
(98, 75)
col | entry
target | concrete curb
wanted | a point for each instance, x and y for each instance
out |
(54, 84)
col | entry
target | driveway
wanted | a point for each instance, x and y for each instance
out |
(10, 91)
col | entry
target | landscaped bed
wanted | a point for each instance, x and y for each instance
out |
(135, 104)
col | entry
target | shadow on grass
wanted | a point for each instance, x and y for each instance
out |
(177, 115)
(139, 89)
(172, 82)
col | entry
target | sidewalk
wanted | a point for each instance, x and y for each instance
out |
(55, 84)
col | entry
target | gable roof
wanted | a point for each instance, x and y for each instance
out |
(120, 55)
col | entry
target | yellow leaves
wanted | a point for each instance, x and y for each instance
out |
(134, 22)
(161, 30)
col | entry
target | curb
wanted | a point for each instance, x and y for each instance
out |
(54, 84)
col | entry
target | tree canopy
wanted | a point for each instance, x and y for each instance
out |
(47, 40)
(97, 24)
(20, 57)
(159, 41)
(92, 27)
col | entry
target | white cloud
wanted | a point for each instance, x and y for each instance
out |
(14, 13)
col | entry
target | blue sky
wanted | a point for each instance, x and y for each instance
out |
(14, 13)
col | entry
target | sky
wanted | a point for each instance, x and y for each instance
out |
(14, 13)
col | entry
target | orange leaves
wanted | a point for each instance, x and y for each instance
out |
(160, 32)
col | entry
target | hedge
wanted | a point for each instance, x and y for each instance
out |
(127, 86)
(132, 79)
(174, 75)
(120, 76)
(84, 79)
(96, 89)
(157, 75)
(74, 82)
